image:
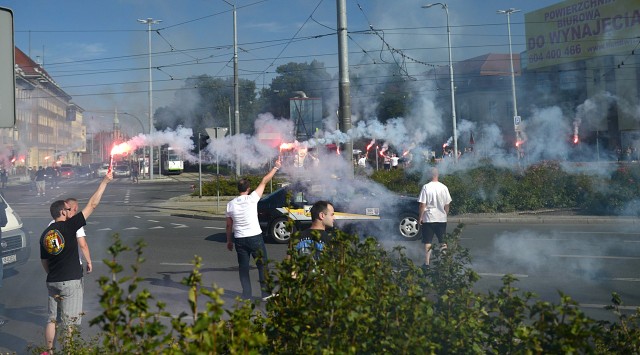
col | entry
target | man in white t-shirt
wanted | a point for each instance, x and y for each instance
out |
(434, 202)
(362, 162)
(394, 161)
(243, 231)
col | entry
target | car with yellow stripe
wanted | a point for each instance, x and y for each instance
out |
(286, 210)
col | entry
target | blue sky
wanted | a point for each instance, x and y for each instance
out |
(97, 51)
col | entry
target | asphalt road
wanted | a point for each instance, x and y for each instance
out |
(587, 262)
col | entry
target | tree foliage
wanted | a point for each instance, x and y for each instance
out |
(310, 78)
(355, 298)
(205, 101)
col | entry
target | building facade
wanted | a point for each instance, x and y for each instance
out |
(49, 128)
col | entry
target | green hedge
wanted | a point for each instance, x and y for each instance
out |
(489, 189)
(542, 186)
(356, 298)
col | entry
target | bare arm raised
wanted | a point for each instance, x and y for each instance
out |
(260, 189)
(95, 198)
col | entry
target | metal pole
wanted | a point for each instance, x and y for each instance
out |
(150, 105)
(236, 95)
(149, 22)
(344, 112)
(199, 167)
(453, 89)
(508, 12)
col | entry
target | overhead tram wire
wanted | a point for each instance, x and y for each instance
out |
(292, 38)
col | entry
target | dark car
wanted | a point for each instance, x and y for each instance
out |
(50, 174)
(66, 172)
(121, 171)
(363, 211)
(83, 172)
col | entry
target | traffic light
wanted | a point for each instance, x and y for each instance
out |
(203, 141)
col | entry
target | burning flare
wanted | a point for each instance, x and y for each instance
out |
(122, 148)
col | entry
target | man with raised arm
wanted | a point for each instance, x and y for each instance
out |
(61, 261)
(243, 231)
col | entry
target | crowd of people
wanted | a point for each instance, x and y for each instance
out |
(65, 255)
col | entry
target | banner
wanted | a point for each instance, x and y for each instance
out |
(581, 29)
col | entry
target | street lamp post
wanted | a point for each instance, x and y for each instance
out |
(236, 95)
(141, 131)
(453, 92)
(508, 12)
(149, 22)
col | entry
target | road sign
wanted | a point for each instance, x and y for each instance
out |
(7, 71)
(517, 120)
(216, 132)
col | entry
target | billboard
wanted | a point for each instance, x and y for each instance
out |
(7, 71)
(581, 29)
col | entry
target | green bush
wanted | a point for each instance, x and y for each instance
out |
(356, 298)
(488, 189)
(228, 185)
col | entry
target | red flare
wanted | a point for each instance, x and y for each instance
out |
(286, 146)
(370, 144)
(576, 139)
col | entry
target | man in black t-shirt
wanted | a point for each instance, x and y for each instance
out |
(61, 262)
(316, 237)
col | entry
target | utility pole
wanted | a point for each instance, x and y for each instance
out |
(236, 96)
(149, 22)
(344, 111)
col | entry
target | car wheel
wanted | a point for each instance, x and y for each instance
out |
(281, 230)
(409, 227)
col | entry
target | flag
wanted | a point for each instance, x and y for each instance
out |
(471, 141)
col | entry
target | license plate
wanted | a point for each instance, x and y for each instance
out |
(372, 211)
(9, 259)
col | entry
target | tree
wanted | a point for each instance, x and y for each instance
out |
(310, 78)
(205, 101)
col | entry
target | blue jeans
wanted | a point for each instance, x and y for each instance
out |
(247, 248)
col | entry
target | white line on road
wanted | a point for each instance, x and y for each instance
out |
(153, 220)
(130, 228)
(491, 274)
(597, 257)
(588, 232)
(158, 227)
(602, 306)
(177, 264)
(627, 279)
(221, 228)
(104, 229)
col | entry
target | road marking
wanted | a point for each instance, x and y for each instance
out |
(177, 264)
(130, 228)
(621, 233)
(104, 229)
(491, 274)
(157, 227)
(153, 220)
(602, 306)
(137, 217)
(597, 257)
(179, 225)
(215, 228)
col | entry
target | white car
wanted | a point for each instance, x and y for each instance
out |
(102, 170)
(15, 245)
